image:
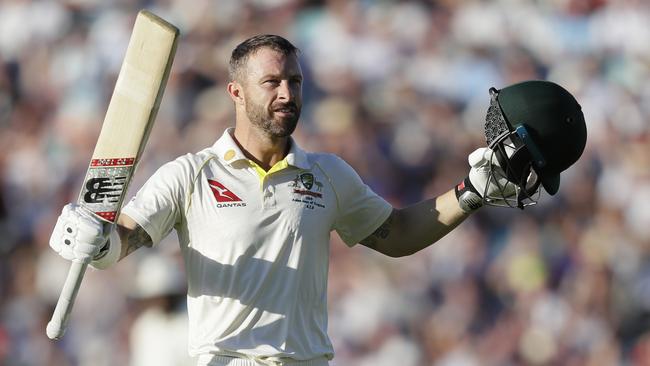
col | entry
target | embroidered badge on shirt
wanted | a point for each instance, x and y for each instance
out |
(307, 190)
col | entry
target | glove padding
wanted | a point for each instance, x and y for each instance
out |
(78, 235)
(486, 182)
(483, 181)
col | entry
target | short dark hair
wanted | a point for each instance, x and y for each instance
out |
(242, 52)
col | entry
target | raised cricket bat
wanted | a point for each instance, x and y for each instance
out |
(129, 118)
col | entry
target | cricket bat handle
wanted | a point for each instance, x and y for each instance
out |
(57, 325)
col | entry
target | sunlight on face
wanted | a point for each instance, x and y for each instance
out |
(273, 92)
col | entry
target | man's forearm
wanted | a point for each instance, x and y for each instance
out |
(132, 236)
(413, 228)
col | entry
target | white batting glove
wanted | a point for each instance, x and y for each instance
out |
(479, 160)
(78, 235)
(486, 178)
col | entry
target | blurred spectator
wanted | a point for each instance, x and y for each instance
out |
(158, 335)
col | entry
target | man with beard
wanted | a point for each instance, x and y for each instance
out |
(253, 214)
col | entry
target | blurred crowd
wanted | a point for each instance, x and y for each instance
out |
(399, 89)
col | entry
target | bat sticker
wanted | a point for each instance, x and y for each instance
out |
(105, 182)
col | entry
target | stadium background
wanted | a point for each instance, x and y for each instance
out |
(397, 88)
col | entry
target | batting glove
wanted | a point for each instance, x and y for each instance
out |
(486, 178)
(78, 235)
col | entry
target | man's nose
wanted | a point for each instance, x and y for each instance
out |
(285, 92)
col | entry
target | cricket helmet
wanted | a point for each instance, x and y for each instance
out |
(537, 130)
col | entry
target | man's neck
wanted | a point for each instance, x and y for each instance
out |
(264, 150)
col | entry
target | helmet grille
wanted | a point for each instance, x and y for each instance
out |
(517, 185)
(495, 124)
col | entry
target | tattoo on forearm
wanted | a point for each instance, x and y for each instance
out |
(136, 239)
(384, 230)
(381, 233)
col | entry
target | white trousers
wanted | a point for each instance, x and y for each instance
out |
(217, 360)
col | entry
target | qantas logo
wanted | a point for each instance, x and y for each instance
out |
(224, 196)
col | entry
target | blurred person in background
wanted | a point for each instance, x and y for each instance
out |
(158, 335)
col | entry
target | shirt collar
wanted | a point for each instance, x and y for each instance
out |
(229, 152)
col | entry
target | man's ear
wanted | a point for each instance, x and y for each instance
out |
(236, 92)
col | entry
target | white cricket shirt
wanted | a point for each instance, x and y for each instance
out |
(256, 244)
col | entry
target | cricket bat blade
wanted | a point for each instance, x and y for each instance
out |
(129, 118)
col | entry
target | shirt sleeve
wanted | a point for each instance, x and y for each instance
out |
(361, 211)
(158, 206)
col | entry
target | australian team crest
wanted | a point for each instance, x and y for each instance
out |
(307, 180)
(308, 191)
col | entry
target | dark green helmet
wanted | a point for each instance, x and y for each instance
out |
(544, 126)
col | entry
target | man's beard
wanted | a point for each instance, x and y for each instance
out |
(264, 118)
